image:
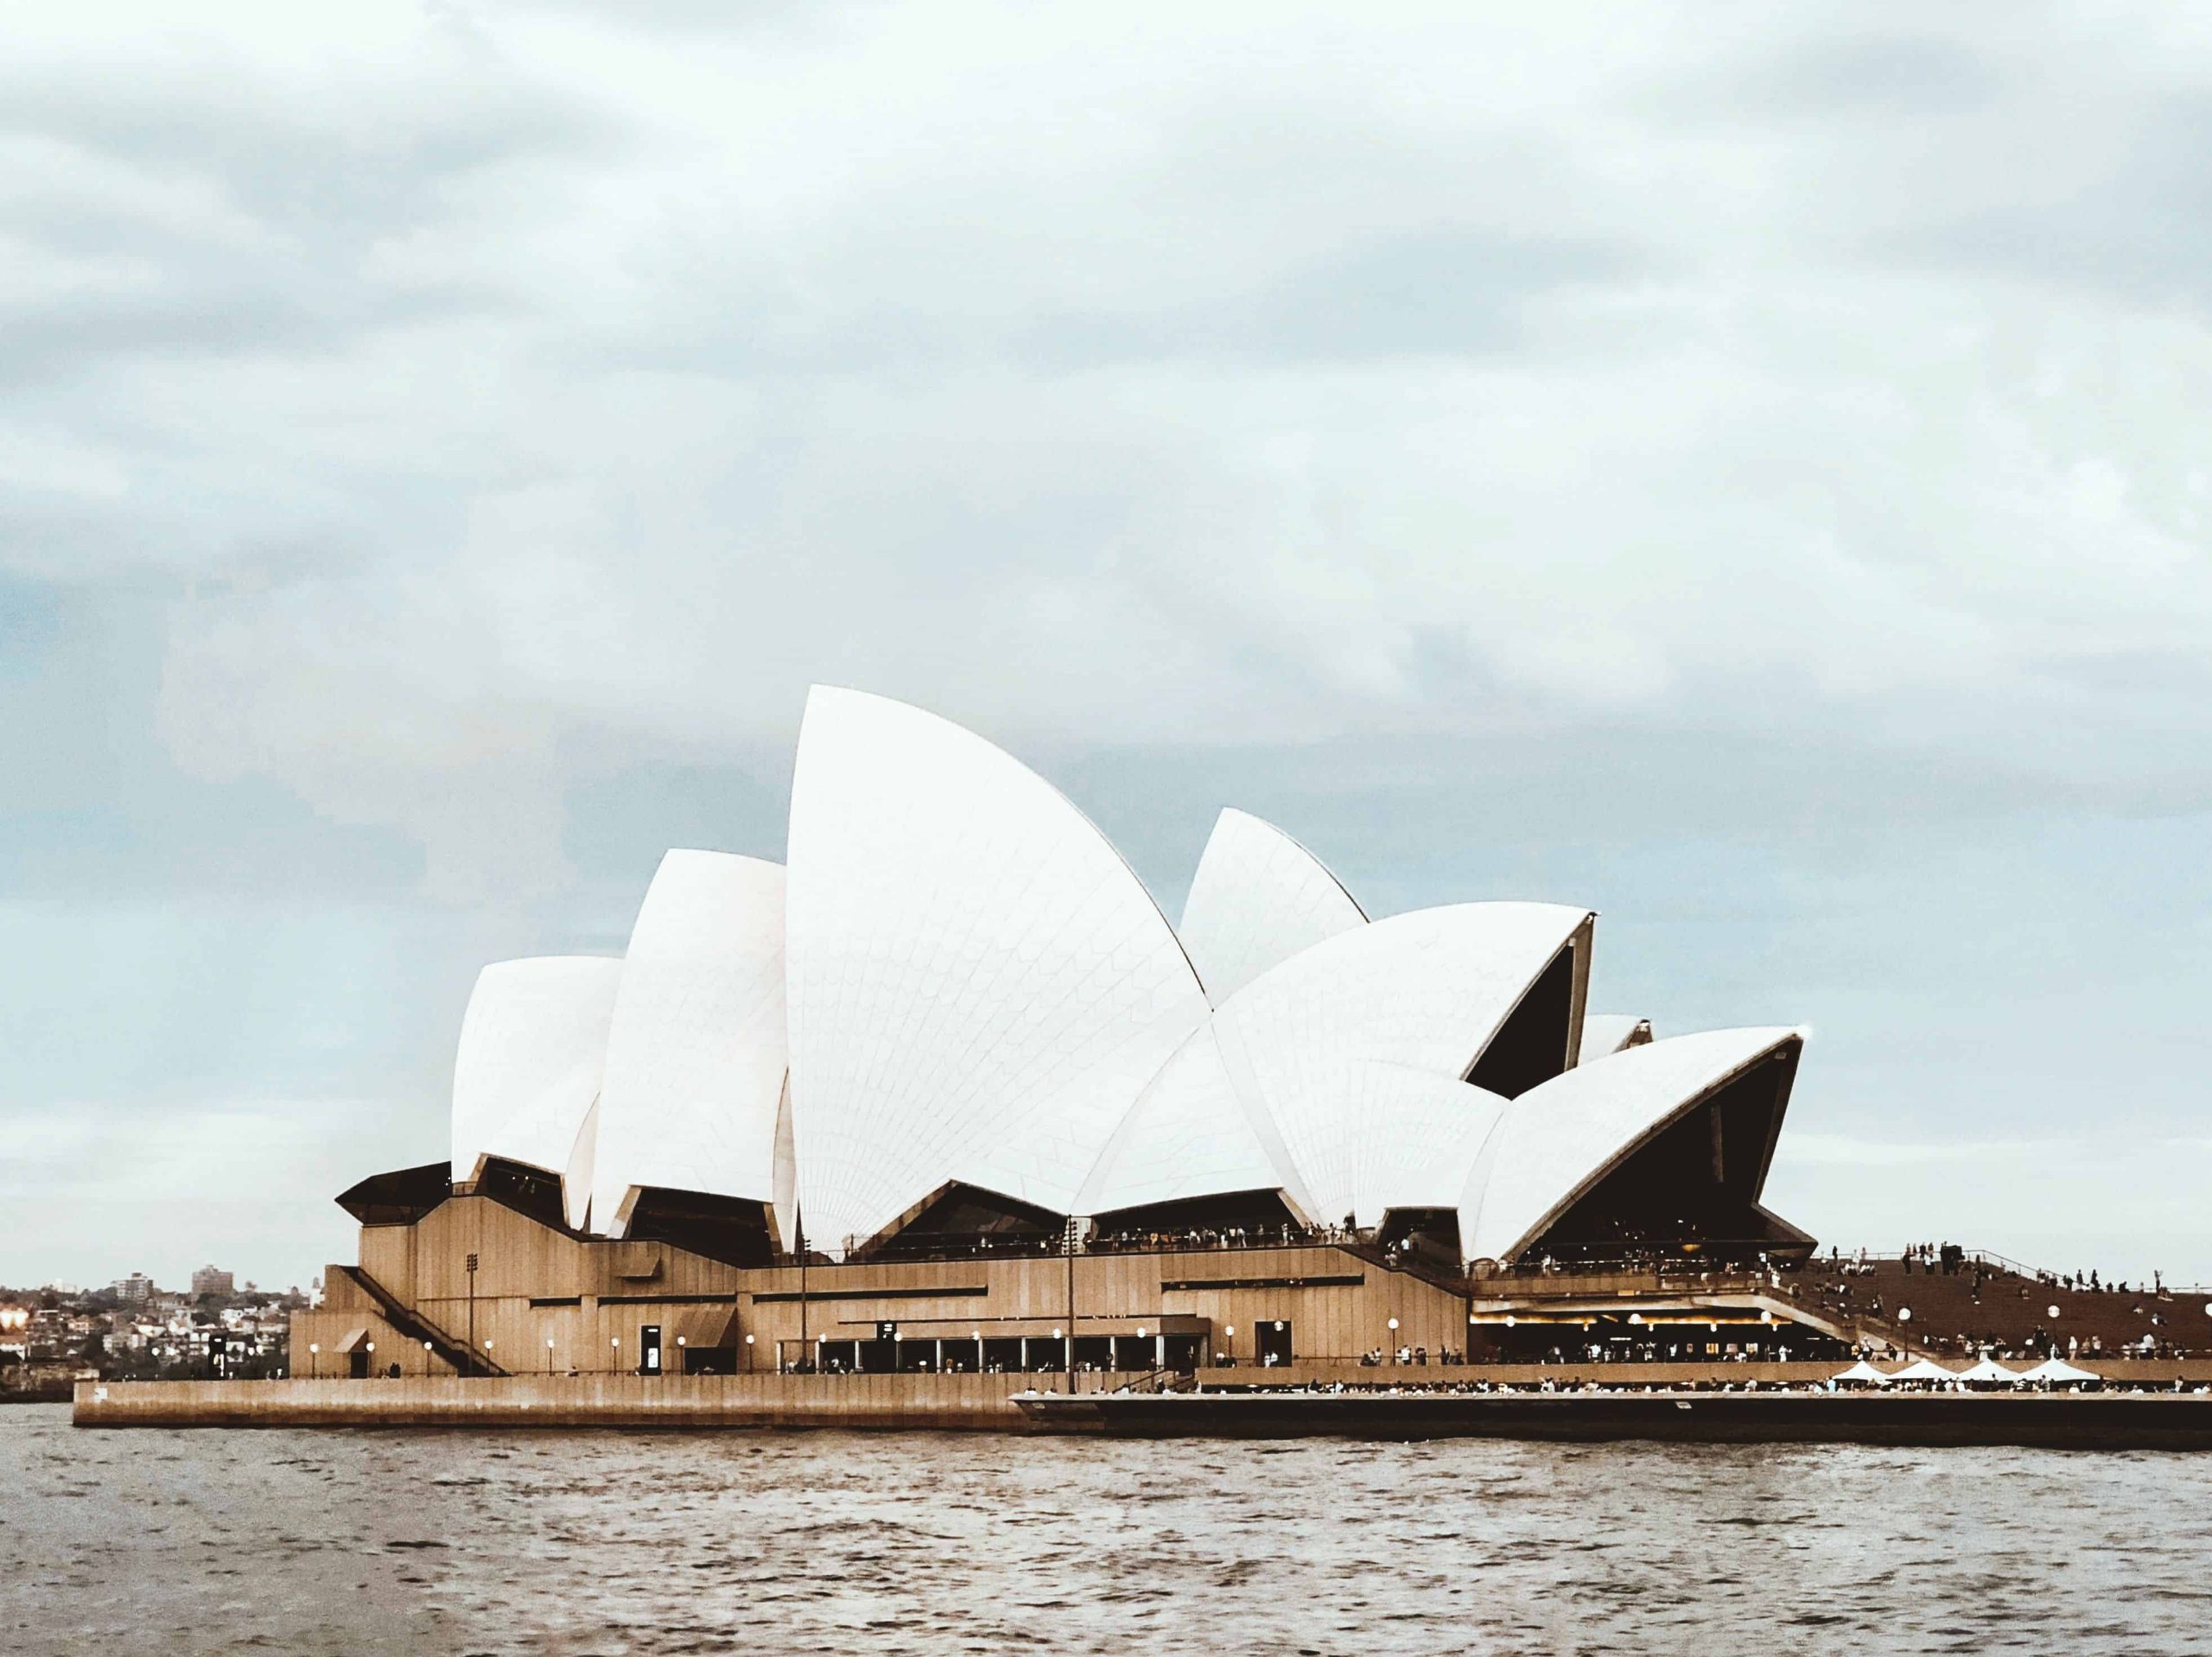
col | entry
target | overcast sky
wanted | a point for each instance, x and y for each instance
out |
(1745, 469)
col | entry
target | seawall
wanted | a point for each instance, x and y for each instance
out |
(2044, 1420)
(909, 1402)
(895, 1403)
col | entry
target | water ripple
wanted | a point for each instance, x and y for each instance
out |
(606, 1544)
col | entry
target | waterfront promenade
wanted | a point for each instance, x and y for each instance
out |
(901, 1402)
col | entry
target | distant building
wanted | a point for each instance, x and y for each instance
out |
(208, 1280)
(135, 1289)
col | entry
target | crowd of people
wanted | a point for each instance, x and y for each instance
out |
(1949, 1260)
(1413, 1356)
(1282, 1235)
(1547, 1384)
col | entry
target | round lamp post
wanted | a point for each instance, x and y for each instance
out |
(371, 1347)
(615, 1363)
(548, 1355)
(749, 1354)
(312, 1368)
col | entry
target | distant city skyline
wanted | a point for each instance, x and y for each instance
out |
(1747, 478)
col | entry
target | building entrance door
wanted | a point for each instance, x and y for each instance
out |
(357, 1364)
(1275, 1340)
(649, 1349)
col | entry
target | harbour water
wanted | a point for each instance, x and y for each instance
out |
(616, 1542)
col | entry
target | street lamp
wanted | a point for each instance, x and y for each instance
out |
(548, 1355)
(312, 1350)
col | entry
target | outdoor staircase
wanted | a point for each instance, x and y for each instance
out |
(465, 1359)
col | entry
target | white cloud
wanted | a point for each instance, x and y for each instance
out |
(496, 400)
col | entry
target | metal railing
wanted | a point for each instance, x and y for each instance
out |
(410, 1323)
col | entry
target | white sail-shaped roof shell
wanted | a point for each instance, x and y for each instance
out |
(1257, 900)
(1419, 1138)
(1285, 1075)
(1559, 1139)
(532, 1045)
(1426, 990)
(1188, 1135)
(979, 985)
(1609, 1032)
(575, 1179)
(696, 1050)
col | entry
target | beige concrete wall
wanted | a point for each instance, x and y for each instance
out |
(1114, 1294)
(910, 1402)
(388, 1255)
(325, 1328)
(519, 1260)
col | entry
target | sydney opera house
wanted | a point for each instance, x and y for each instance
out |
(947, 1090)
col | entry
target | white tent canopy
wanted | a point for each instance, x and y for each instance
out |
(1924, 1369)
(1988, 1370)
(2057, 1369)
(1862, 1371)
